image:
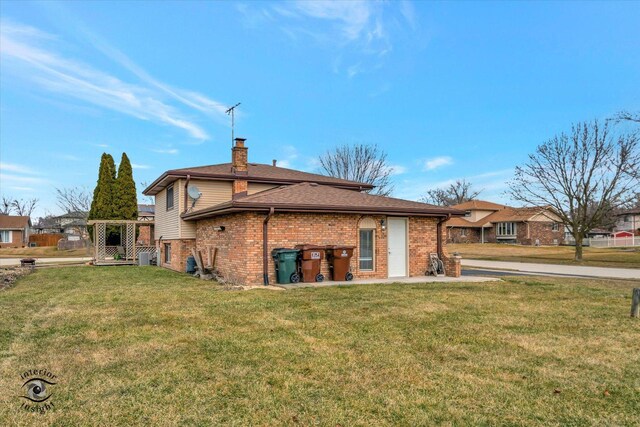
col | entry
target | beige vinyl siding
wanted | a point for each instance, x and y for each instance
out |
(212, 193)
(256, 188)
(477, 215)
(167, 223)
(546, 217)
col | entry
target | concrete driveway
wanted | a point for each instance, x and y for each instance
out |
(555, 269)
(12, 262)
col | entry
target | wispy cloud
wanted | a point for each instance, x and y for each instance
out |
(19, 188)
(8, 178)
(69, 157)
(360, 33)
(437, 162)
(290, 154)
(101, 145)
(137, 166)
(12, 167)
(165, 150)
(37, 56)
(398, 169)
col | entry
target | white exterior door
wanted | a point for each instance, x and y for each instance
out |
(397, 246)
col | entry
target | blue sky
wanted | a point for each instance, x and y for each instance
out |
(449, 90)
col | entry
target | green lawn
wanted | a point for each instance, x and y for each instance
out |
(596, 257)
(148, 346)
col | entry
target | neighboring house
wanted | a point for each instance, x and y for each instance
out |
(14, 231)
(628, 220)
(486, 222)
(145, 232)
(71, 223)
(146, 212)
(247, 209)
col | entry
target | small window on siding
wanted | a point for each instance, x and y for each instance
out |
(167, 253)
(170, 197)
(463, 232)
(555, 226)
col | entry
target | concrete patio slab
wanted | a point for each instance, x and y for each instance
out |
(408, 280)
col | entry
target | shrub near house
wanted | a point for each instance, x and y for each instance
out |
(247, 209)
(487, 222)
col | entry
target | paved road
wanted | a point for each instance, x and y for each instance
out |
(10, 262)
(554, 269)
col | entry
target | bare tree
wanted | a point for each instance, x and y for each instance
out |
(582, 176)
(626, 116)
(456, 193)
(151, 200)
(361, 163)
(73, 199)
(24, 207)
(6, 206)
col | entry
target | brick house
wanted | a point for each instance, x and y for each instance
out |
(245, 210)
(628, 220)
(487, 222)
(14, 231)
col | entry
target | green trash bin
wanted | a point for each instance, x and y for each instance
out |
(286, 262)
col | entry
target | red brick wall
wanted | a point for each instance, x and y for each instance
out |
(454, 235)
(180, 250)
(16, 240)
(239, 256)
(144, 235)
(543, 231)
(537, 230)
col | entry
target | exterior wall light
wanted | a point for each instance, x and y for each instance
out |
(383, 224)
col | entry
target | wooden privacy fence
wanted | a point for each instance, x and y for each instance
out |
(45, 239)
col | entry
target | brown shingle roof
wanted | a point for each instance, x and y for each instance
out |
(310, 197)
(479, 205)
(508, 214)
(11, 222)
(256, 172)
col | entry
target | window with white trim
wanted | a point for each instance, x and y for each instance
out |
(506, 229)
(5, 236)
(365, 254)
(555, 226)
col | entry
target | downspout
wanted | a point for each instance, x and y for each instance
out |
(186, 195)
(159, 251)
(265, 247)
(439, 234)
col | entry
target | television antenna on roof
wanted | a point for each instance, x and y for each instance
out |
(231, 112)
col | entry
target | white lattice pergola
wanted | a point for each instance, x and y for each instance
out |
(125, 253)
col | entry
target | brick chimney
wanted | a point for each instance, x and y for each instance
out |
(239, 167)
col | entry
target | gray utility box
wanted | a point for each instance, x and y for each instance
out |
(144, 258)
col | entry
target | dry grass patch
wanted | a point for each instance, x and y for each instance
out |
(145, 345)
(44, 252)
(597, 257)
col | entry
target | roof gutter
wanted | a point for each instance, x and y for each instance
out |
(231, 207)
(265, 247)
